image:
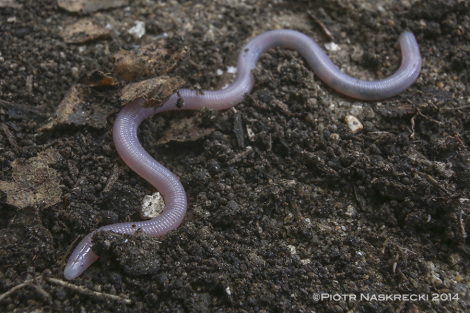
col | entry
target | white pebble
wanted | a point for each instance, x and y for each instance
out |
(152, 206)
(331, 46)
(138, 30)
(292, 249)
(231, 69)
(353, 123)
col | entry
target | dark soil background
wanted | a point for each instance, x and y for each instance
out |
(300, 206)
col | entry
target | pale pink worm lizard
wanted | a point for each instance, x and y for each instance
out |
(130, 117)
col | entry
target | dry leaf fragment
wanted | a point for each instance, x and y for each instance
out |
(185, 130)
(34, 182)
(150, 60)
(10, 4)
(154, 91)
(76, 110)
(88, 6)
(84, 30)
(98, 78)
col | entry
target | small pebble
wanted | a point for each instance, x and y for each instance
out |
(152, 206)
(138, 30)
(331, 46)
(353, 123)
